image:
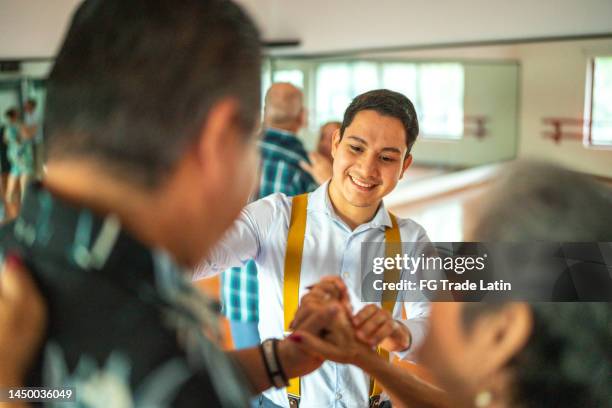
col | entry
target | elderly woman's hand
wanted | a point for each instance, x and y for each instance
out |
(22, 322)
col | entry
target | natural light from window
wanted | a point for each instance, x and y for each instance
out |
(601, 106)
(436, 89)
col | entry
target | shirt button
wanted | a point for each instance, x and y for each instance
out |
(338, 396)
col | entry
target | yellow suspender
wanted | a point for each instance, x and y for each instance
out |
(393, 246)
(293, 267)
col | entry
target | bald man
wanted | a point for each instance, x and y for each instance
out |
(280, 172)
(284, 108)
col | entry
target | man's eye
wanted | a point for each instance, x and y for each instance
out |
(355, 148)
(387, 159)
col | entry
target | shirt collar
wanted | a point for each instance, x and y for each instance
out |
(319, 201)
(281, 132)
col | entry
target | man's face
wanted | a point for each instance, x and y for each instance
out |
(369, 160)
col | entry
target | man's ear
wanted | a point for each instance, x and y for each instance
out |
(218, 137)
(335, 142)
(303, 118)
(407, 162)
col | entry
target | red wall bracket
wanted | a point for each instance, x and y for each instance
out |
(564, 128)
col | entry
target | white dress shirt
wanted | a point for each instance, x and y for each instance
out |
(330, 248)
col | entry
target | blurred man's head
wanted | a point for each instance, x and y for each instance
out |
(284, 107)
(326, 135)
(161, 98)
(372, 148)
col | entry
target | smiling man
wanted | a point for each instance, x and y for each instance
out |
(296, 241)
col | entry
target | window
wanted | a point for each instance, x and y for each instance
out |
(435, 89)
(600, 111)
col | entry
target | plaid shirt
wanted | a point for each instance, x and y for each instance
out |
(281, 153)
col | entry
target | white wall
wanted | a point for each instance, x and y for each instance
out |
(553, 85)
(329, 25)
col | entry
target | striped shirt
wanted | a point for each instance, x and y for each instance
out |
(281, 153)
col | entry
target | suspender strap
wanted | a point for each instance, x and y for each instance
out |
(393, 243)
(293, 267)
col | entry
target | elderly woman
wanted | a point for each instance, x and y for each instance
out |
(509, 354)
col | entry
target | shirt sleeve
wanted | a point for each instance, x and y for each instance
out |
(417, 323)
(242, 242)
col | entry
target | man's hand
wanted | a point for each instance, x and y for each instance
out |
(376, 326)
(329, 288)
(336, 341)
(22, 322)
(320, 167)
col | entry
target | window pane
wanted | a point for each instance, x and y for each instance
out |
(440, 89)
(400, 78)
(601, 130)
(333, 91)
(365, 78)
(293, 76)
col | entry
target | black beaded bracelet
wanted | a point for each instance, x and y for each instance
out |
(273, 368)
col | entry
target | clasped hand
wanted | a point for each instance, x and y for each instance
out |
(346, 337)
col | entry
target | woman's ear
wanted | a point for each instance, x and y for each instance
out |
(501, 335)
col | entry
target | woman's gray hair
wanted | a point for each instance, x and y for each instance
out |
(536, 201)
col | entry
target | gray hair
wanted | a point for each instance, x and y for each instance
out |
(536, 201)
(283, 104)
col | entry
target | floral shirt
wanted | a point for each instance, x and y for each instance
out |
(125, 328)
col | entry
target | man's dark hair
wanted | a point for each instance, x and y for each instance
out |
(386, 103)
(135, 79)
(31, 102)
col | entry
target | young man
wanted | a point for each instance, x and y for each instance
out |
(371, 153)
(151, 111)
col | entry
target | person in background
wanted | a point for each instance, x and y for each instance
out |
(320, 165)
(21, 160)
(32, 128)
(5, 164)
(326, 134)
(281, 152)
(507, 354)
